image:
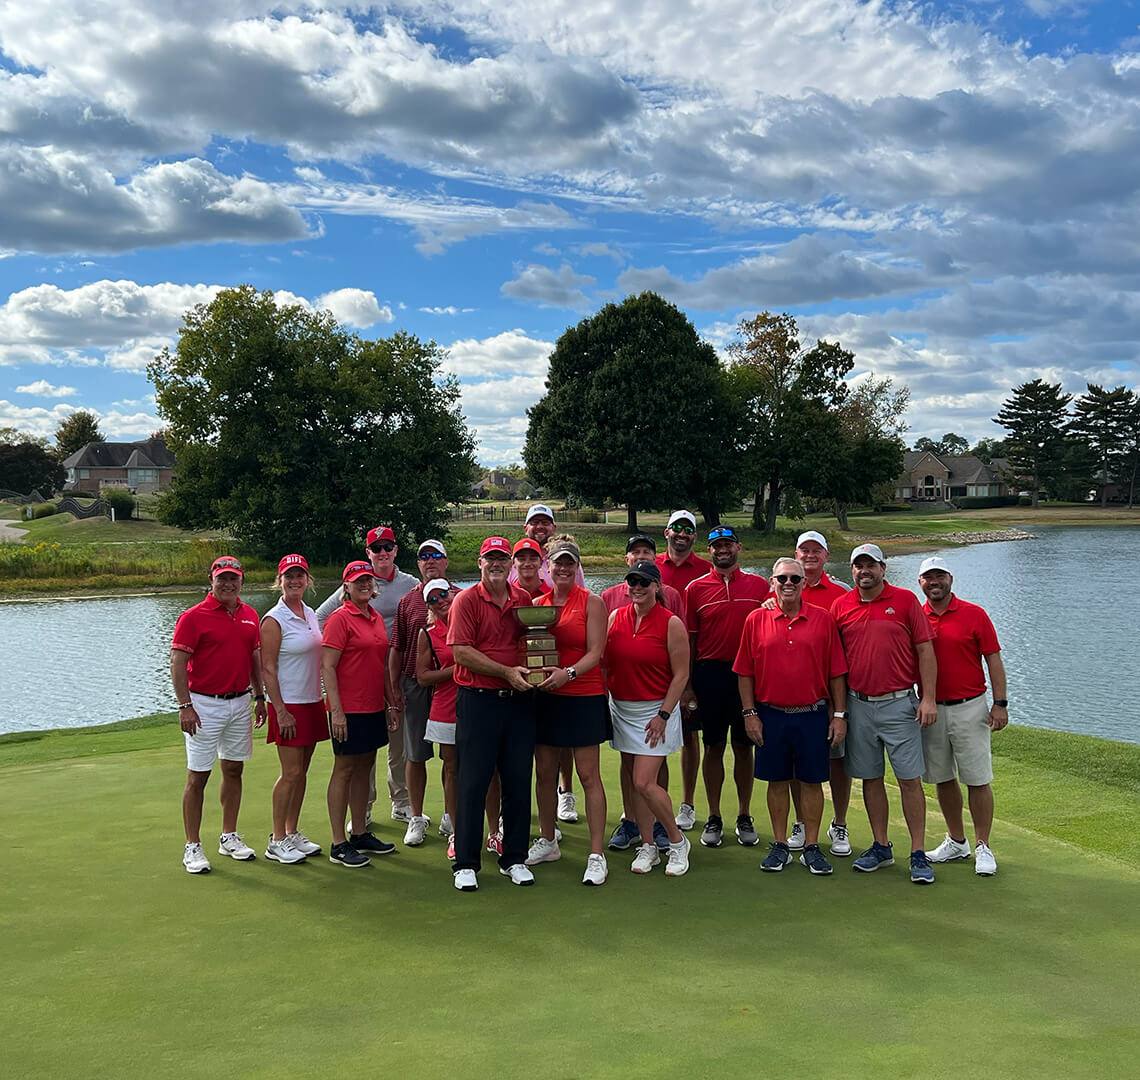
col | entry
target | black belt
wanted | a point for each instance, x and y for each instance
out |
(497, 693)
(224, 697)
(959, 700)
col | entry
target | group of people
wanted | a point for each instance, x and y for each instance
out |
(810, 682)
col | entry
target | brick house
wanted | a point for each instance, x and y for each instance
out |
(143, 467)
(930, 477)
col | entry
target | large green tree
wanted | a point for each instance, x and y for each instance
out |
(636, 411)
(1100, 419)
(1036, 417)
(950, 444)
(299, 436)
(26, 464)
(74, 433)
(1130, 456)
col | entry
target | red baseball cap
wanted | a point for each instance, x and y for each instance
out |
(381, 532)
(527, 544)
(226, 564)
(356, 570)
(293, 560)
(495, 543)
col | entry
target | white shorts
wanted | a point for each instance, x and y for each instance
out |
(439, 732)
(226, 732)
(629, 720)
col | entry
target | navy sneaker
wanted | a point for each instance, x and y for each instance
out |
(346, 855)
(875, 856)
(777, 858)
(921, 872)
(626, 834)
(365, 841)
(660, 836)
(813, 859)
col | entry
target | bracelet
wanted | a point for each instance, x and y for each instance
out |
(748, 712)
(391, 708)
(185, 705)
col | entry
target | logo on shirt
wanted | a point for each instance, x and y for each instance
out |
(890, 611)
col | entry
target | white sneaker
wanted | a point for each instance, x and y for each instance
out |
(678, 858)
(596, 871)
(686, 817)
(466, 881)
(840, 841)
(232, 845)
(417, 830)
(303, 844)
(985, 864)
(796, 837)
(519, 874)
(399, 813)
(645, 859)
(445, 826)
(194, 859)
(543, 850)
(283, 851)
(950, 850)
(557, 835)
(567, 807)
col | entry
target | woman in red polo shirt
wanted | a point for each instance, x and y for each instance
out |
(572, 712)
(353, 654)
(291, 671)
(647, 667)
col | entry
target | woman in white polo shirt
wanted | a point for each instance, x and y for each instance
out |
(291, 671)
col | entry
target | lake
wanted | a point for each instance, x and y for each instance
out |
(1069, 639)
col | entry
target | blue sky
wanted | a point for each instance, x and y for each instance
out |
(949, 189)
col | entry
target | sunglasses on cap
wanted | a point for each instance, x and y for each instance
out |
(722, 534)
(387, 545)
(227, 564)
(784, 579)
(684, 530)
(432, 555)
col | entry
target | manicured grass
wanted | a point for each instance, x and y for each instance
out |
(117, 963)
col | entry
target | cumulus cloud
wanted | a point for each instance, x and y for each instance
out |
(42, 388)
(355, 307)
(559, 288)
(511, 352)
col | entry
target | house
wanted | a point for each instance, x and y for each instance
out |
(515, 486)
(143, 467)
(930, 477)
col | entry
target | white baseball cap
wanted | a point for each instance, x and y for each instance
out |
(873, 550)
(436, 585)
(681, 515)
(817, 537)
(933, 563)
(539, 508)
(434, 545)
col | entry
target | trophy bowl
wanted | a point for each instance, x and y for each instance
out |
(534, 618)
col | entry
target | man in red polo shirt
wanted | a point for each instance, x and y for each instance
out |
(888, 644)
(716, 606)
(791, 670)
(822, 591)
(957, 748)
(678, 564)
(215, 659)
(494, 716)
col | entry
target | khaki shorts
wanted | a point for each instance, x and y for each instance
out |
(958, 744)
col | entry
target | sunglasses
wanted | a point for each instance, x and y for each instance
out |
(784, 579)
(432, 555)
(684, 530)
(722, 534)
(436, 597)
(638, 582)
(382, 547)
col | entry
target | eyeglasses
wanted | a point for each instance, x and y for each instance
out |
(436, 597)
(784, 579)
(432, 555)
(382, 547)
(684, 530)
(496, 557)
(638, 582)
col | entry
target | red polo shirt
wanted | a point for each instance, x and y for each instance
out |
(715, 610)
(963, 634)
(824, 594)
(220, 646)
(879, 638)
(791, 660)
(680, 574)
(637, 661)
(618, 596)
(476, 620)
(363, 644)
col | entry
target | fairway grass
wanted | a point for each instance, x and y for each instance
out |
(119, 964)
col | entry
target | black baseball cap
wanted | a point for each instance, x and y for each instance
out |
(640, 538)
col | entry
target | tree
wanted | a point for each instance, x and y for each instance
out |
(1100, 420)
(788, 394)
(1036, 418)
(636, 411)
(950, 445)
(299, 436)
(74, 433)
(1130, 455)
(987, 449)
(26, 464)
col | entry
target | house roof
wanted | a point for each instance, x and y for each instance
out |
(145, 454)
(962, 468)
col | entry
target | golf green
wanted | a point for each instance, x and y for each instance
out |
(116, 963)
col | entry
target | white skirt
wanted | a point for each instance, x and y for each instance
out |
(439, 732)
(630, 718)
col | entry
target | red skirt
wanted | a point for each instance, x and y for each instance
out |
(312, 724)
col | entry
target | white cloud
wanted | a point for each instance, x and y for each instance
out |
(42, 388)
(355, 307)
(559, 288)
(496, 410)
(509, 353)
(450, 309)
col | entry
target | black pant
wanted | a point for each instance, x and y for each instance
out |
(492, 732)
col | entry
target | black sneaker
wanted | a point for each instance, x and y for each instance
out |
(365, 841)
(713, 834)
(777, 858)
(347, 855)
(813, 859)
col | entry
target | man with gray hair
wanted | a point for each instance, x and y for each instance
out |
(791, 671)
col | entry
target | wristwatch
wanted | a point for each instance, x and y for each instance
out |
(663, 714)
(840, 715)
(571, 674)
(1001, 703)
(185, 705)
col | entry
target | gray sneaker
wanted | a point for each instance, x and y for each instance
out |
(746, 832)
(713, 835)
(686, 816)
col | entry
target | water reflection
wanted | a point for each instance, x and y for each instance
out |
(1063, 605)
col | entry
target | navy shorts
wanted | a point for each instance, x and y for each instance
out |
(718, 702)
(795, 745)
